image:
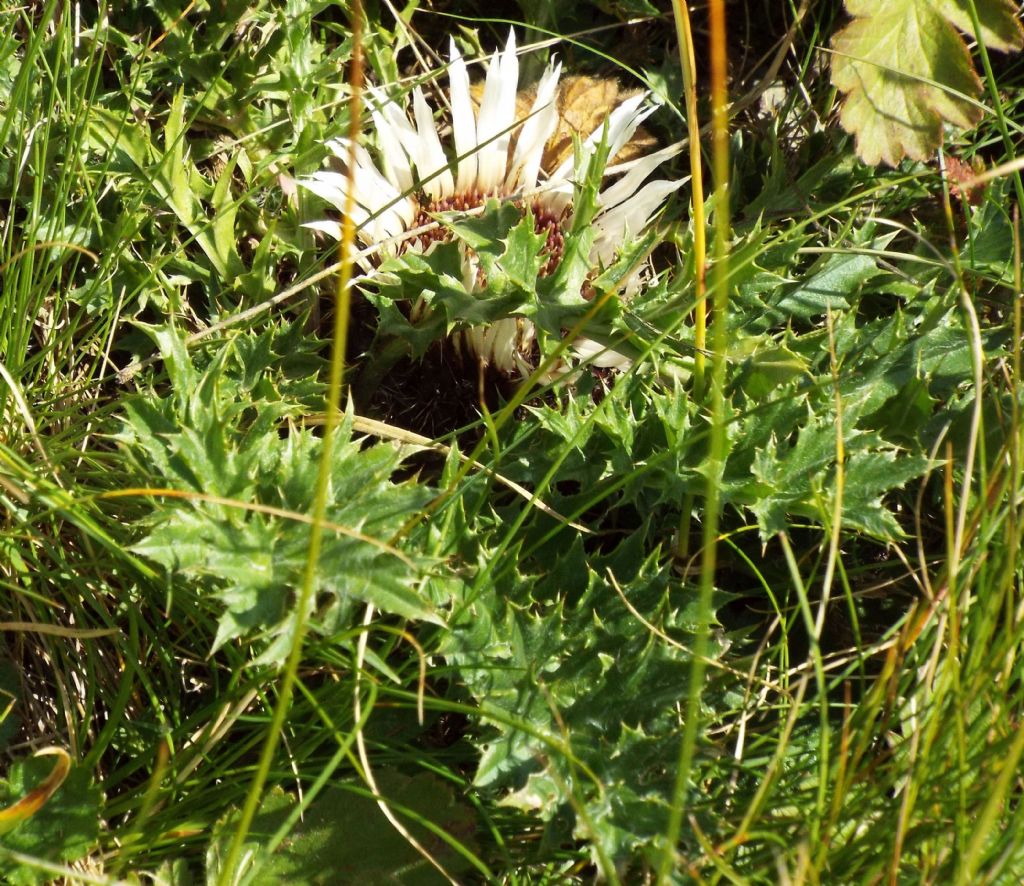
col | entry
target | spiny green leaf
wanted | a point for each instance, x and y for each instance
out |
(210, 440)
(801, 480)
(225, 210)
(869, 476)
(829, 286)
(173, 177)
(577, 685)
(768, 367)
(485, 233)
(509, 251)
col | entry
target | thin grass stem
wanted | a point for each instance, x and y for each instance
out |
(687, 62)
(717, 443)
(229, 872)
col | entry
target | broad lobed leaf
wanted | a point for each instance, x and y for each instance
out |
(905, 71)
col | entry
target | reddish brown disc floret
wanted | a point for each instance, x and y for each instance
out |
(545, 222)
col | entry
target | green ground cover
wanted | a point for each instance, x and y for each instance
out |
(745, 609)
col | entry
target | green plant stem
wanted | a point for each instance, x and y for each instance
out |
(1009, 770)
(1015, 416)
(814, 825)
(332, 417)
(997, 101)
(684, 36)
(716, 458)
(974, 457)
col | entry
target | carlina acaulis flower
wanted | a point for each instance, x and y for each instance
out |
(495, 151)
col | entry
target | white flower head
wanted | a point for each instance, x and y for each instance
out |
(495, 152)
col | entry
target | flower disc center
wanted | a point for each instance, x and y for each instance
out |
(545, 222)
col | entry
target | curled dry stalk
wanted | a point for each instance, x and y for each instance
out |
(364, 757)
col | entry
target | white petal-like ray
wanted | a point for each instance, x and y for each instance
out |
(373, 191)
(431, 164)
(332, 187)
(502, 336)
(329, 186)
(497, 117)
(556, 196)
(370, 229)
(410, 155)
(621, 124)
(470, 269)
(463, 121)
(408, 138)
(536, 131)
(473, 339)
(630, 217)
(325, 226)
(631, 180)
(598, 355)
(396, 138)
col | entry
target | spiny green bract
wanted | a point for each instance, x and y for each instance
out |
(230, 431)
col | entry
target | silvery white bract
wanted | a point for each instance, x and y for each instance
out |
(494, 155)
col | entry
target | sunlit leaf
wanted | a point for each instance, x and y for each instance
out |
(58, 815)
(905, 71)
(33, 801)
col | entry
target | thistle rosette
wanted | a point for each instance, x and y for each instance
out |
(495, 153)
